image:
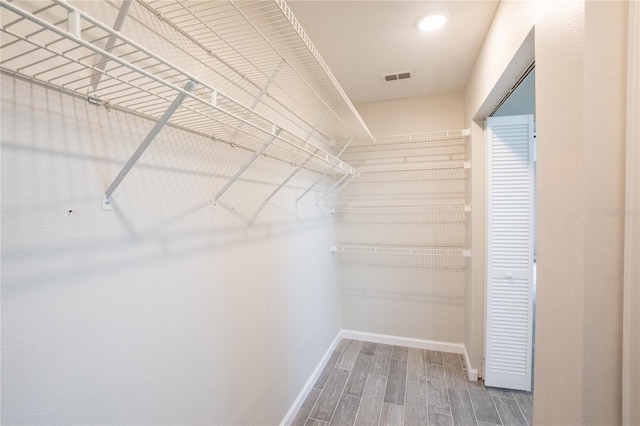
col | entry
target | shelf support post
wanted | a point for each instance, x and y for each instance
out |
(147, 140)
(246, 165)
(111, 41)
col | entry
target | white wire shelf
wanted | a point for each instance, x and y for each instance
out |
(412, 257)
(427, 208)
(56, 44)
(397, 214)
(408, 172)
(255, 38)
(437, 138)
(401, 250)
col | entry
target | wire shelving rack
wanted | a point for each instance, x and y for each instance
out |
(248, 74)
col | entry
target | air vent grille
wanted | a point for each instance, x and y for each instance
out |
(397, 76)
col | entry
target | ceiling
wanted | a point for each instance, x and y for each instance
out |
(363, 40)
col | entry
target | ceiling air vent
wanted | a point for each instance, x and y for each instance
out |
(397, 76)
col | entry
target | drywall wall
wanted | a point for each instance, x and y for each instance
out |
(561, 208)
(631, 323)
(580, 94)
(413, 115)
(505, 54)
(605, 70)
(396, 295)
(165, 310)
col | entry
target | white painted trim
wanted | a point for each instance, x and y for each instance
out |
(434, 345)
(457, 348)
(472, 373)
(306, 389)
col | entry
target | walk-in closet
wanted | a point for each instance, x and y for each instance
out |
(308, 212)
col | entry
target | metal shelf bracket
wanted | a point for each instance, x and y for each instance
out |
(147, 141)
(335, 185)
(352, 171)
(111, 42)
(246, 165)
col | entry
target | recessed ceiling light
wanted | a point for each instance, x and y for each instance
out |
(432, 22)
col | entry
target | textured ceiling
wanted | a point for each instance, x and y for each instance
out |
(363, 40)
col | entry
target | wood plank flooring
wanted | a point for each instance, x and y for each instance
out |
(372, 384)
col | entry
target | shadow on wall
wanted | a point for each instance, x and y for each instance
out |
(59, 156)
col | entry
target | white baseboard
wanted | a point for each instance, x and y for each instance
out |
(472, 373)
(410, 342)
(433, 345)
(306, 389)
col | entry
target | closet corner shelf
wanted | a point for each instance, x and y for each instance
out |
(418, 167)
(401, 250)
(448, 137)
(429, 208)
(259, 100)
(437, 170)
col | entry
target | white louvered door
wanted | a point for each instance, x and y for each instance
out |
(509, 327)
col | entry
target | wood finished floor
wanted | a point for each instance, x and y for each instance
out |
(369, 384)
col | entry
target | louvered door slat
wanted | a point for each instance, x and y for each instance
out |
(510, 253)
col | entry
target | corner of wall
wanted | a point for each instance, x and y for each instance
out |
(306, 389)
(472, 373)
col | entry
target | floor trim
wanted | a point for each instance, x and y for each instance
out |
(457, 348)
(472, 373)
(410, 342)
(306, 389)
(433, 345)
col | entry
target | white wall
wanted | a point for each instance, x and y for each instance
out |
(163, 311)
(631, 326)
(381, 294)
(580, 93)
(413, 115)
(505, 54)
(605, 70)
